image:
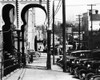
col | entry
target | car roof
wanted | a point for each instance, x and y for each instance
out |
(77, 51)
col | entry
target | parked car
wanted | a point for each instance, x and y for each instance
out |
(83, 56)
(95, 77)
(72, 60)
(90, 66)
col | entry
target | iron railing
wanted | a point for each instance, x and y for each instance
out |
(9, 64)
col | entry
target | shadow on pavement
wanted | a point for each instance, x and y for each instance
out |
(36, 67)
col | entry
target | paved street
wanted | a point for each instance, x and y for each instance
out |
(37, 71)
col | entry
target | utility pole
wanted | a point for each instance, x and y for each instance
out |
(53, 36)
(64, 35)
(23, 48)
(18, 44)
(91, 35)
(79, 16)
(48, 38)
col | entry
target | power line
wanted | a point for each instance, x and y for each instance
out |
(58, 7)
(81, 5)
(56, 11)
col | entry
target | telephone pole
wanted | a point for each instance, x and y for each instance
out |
(48, 37)
(64, 35)
(79, 17)
(91, 35)
(53, 36)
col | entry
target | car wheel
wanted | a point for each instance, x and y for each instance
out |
(68, 69)
(71, 70)
(82, 75)
(96, 78)
(89, 76)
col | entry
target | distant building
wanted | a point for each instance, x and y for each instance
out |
(86, 21)
(86, 27)
(31, 29)
(40, 38)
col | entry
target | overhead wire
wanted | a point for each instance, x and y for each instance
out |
(58, 6)
(82, 4)
(56, 11)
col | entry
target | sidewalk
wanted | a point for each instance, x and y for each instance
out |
(37, 71)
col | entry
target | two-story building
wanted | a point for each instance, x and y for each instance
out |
(90, 25)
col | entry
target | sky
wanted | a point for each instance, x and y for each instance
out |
(73, 8)
(78, 7)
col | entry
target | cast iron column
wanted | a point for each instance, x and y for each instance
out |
(48, 49)
(18, 46)
(48, 38)
(23, 53)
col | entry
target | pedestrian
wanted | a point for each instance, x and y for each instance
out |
(31, 58)
(60, 50)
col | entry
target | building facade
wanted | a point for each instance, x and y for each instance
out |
(90, 26)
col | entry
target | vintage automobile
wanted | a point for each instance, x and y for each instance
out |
(84, 55)
(95, 77)
(70, 59)
(89, 67)
(73, 61)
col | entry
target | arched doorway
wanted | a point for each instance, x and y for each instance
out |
(24, 19)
